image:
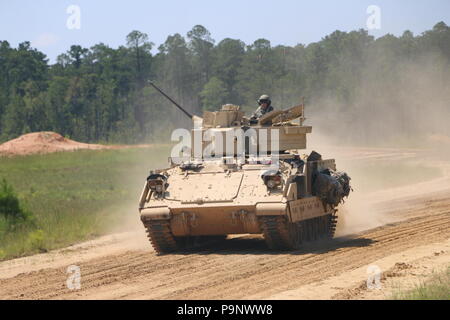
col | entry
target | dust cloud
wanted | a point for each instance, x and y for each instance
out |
(391, 122)
(410, 108)
(124, 215)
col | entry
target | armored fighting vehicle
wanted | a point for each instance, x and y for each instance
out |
(239, 176)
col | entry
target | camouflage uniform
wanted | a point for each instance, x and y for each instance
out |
(260, 111)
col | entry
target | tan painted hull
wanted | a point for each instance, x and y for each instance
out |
(217, 201)
(223, 219)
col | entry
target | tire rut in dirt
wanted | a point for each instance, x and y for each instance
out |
(226, 276)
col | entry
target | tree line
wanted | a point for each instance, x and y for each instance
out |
(101, 94)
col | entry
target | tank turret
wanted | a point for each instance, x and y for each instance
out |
(275, 132)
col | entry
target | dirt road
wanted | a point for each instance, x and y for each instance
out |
(415, 241)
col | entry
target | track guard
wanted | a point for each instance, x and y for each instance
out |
(159, 213)
(271, 209)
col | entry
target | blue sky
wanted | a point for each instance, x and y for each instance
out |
(287, 22)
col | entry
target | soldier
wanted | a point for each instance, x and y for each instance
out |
(264, 107)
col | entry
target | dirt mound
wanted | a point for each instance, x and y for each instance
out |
(43, 142)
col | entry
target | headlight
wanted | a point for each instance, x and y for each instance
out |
(273, 181)
(272, 178)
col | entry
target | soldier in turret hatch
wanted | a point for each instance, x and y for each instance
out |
(264, 107)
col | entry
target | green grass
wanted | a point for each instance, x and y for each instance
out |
(74, 196)
(437, 288)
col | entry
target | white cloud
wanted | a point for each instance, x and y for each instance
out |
(44, 40)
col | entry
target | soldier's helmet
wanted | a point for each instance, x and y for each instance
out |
(264, 98)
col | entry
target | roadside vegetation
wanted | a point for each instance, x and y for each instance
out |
(437, 288)
(55, 200)
(359, 88)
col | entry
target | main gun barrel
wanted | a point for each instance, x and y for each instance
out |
(171, 100)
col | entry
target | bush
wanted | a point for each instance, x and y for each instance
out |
(10, 209)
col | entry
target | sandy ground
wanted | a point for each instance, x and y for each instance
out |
(405, 235)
